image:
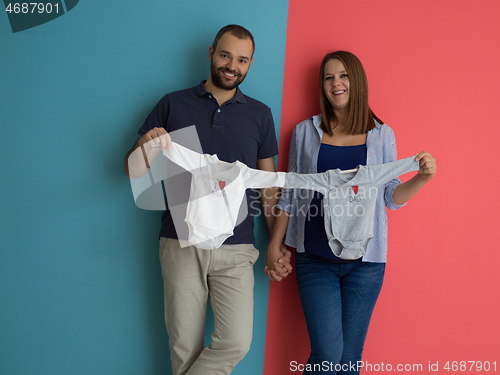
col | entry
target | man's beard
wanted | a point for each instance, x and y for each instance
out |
(218, 80)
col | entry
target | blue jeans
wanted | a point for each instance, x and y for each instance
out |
(338, 301)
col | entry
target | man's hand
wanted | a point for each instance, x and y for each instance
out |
(156, 137)
(145, 151)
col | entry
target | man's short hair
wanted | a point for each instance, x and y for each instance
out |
(238, 31)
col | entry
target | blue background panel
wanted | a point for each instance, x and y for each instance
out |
(80, 282)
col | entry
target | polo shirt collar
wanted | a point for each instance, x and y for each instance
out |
(238, 96)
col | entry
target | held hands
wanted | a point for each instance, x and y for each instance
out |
(278, 262)
(428, 166)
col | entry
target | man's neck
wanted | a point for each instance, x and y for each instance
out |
(219, 94)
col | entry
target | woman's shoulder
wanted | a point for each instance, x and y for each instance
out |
(308, 124)
(381, 130)
(310, 121)
(382, 127)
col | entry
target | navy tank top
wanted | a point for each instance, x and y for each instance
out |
(329, 157)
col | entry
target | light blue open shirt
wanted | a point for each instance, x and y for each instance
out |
(303, 157)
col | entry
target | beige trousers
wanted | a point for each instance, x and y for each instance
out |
(190, 277)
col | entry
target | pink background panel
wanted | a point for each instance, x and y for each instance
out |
(433, 71)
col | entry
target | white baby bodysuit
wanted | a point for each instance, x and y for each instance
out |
(216, 193)
(349, 201)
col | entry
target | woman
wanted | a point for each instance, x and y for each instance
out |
(337, 295)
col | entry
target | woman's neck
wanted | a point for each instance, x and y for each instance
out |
(339, 124)
(340, 135)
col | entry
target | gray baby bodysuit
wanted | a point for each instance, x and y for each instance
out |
(349, 201)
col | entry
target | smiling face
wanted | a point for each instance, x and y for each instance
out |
(230, 61)
(336, 84)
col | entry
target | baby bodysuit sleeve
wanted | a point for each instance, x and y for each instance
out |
(312, 181)
(257, 179)
(186, 158)
(380, 174)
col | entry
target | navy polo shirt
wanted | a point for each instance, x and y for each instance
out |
(240, 129)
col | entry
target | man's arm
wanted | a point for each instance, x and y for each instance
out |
(278, 256)
(269, 196)
(280, 260)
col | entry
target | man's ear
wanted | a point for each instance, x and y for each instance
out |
(210, 53)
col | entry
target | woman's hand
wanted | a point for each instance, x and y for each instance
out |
(428, 166)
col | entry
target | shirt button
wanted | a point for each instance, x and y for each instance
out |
(218, 110)
(210, 96)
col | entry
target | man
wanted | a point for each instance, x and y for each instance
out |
(235, 127)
